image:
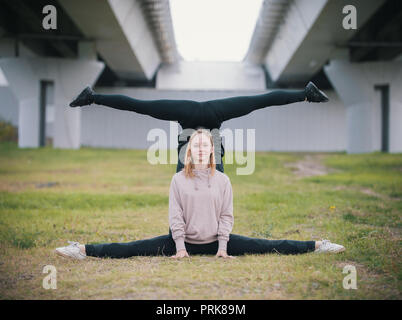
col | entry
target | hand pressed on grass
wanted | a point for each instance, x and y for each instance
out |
(180, 254)
(223, 254)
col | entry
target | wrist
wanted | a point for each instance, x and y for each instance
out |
(222, 245)
(180, 244)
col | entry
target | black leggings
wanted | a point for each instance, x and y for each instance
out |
(165, 245)
(207, 114)
(210, 115)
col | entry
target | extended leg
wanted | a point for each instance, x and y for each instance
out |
(161, 245)
(163, 109)
(234, 107)
(239, 245)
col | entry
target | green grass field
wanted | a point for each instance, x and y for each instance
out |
(49, 196)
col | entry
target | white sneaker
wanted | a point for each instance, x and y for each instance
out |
(71, 251)
(328, 246)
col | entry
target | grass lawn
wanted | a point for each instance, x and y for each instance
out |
(49, 196)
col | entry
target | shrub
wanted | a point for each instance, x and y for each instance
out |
(8, 132)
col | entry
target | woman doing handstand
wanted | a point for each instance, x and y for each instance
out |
(207, 114)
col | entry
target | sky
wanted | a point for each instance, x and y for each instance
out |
(214, 30)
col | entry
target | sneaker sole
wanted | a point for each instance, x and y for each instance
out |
(338, 251)
(324, 95)
(65, 255)
(87, 89)
(319, 91)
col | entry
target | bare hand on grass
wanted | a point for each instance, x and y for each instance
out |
(223, 254)
(180, 254)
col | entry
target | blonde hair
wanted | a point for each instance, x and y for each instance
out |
(188, 163)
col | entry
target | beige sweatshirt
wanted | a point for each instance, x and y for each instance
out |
(201, 208)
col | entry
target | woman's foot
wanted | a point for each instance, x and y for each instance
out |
(313, 94)
(74, 250)
(328, 246)
(84, 98)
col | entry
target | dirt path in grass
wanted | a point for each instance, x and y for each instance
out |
(310, 165)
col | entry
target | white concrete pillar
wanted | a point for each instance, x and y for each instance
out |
(3, 80)
(70, 76)
(9, 103)
(25, 87)
(354, 83)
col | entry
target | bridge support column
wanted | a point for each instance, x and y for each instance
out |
(371, 92)
(26, 77)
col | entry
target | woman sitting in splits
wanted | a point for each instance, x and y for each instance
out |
(200, 218)
(192, 115)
